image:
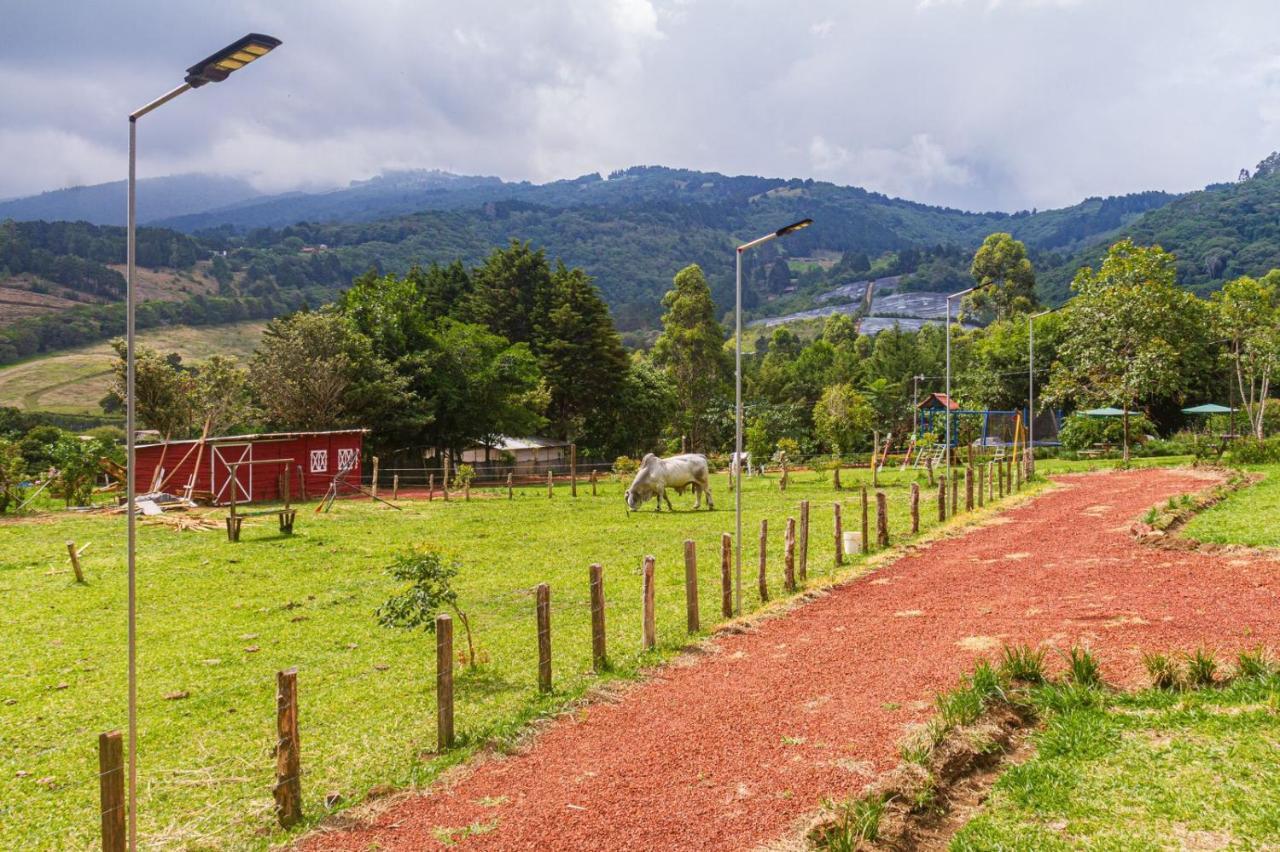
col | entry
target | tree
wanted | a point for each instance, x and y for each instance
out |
(1003, 271)
(580, 355)
(221, 395)
(691, 351)
(511, 291)
(635, 424)
(842, 417)
(314, 371)
(78, 464)
(163, 389)
(1130, 332)
(428, 588)
(1247, 311)
(12, 474)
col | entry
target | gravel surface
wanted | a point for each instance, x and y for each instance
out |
(736, 749)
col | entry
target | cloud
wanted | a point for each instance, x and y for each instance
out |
(971, 103)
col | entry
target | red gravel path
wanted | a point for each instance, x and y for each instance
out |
(732, 751)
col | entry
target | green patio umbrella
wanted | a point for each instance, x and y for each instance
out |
(1208, 408)
(1105, 412)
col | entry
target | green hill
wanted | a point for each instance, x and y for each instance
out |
(73, 381)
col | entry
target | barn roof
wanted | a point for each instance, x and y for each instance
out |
(259, 436)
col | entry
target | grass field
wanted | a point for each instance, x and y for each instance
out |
(216, 621)
(1152, 770)
(1247, 516)
(73, 382)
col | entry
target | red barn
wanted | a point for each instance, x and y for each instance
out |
(313, 457)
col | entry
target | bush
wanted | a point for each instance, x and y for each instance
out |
(1253, 451)
(427, 589)
(463, 476)
(1080, 432)
(625, 466)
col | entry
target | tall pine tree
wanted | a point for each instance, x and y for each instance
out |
(691, 351)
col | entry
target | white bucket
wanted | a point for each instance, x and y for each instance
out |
(852, 543)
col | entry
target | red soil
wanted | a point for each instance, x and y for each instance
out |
(732, 751)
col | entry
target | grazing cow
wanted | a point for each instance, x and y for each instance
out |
(735, 458)
(656, 475)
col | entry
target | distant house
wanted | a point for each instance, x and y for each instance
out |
(529, 455)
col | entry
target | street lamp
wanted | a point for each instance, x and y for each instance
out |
(948, 325)
(737, 393)
(212, 69)
(1031, 391)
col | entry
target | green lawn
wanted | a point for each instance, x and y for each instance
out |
(1155, 770)
(216, 621)
(1247, 516)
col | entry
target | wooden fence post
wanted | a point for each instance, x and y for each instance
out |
(444, 480)
(928, 465)
(1017, 476)
(866, 529)
(942, 499)
(395, 486)
(691, 585)
(955, 491)
(599, 660)
(726, 575)
(444, 682)
(648, 627)
(288, 788)
(1000, 477)
(75, 561)
(991, 481)
(431, 487)
(763, 579)
(551, 492)
(804, 540)
(875, 456)
(915, 508)
(836, 475)
(968, 489)
(882, 519)
(510, 494)
(111, 791)
(544, 637)
(374, 489)
(839, 535)
(573, 470)
(466, 491)
(593, 482)
(789, 556)
(982, 485)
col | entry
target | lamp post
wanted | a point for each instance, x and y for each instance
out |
(212, 69)
(737, 396)
(1031, 391)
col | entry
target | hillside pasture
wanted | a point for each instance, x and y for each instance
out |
(74, 381)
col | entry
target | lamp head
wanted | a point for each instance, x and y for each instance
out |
(794, 226)
(216, 68)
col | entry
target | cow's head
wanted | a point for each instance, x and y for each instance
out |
(634, 499)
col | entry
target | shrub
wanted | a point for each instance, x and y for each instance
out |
(1079, 432)
(464, 475)
(1253, 451)
(625, 466)
(1022, 663)
(1163, 671)
(11, 475)
(427, 589)
(78, 464)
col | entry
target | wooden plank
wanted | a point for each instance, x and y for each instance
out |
(288, 787)
(544, 636)
(111, 791)
(75, 561)
(599, 659)
(444, 682)
(648, 627)
(691, 586)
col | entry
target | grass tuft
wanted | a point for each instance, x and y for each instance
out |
(1022, 664)
(1082, 667)
(859, 822)
(1255, 665)
(1202, 667)
(1163, 671)
(960, 706)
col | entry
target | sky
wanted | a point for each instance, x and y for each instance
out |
(976, 104)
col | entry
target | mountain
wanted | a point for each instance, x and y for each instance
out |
(104, 203)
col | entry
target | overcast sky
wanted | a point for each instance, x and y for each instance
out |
(979, 104)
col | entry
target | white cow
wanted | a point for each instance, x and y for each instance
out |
(735, 458)
(656, 475)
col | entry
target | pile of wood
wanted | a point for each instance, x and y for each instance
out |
(183, 523)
